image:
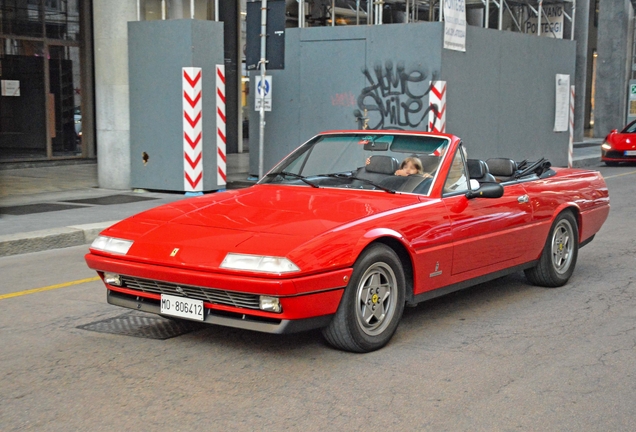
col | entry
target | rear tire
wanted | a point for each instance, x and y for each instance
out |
(372, 303)
(559, 255)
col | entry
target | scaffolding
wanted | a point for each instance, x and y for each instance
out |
(548, 17)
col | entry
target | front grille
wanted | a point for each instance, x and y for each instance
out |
(614, 154)
(210, 295)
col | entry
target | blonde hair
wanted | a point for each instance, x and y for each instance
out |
(417, 163)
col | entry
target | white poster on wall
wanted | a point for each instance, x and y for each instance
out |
(562, 106)
(455, 25)
(10, 87)
(551, 22)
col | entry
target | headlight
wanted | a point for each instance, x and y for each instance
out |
(112, 245)
(606, 146)
(258, 263)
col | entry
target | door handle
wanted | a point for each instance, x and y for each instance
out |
(523, 199)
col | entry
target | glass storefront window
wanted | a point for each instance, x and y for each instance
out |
(22, 113)
(21, 18)
(64, 100)
(62, 19)
(40, 62)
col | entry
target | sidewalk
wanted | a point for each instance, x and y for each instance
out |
(51, 207)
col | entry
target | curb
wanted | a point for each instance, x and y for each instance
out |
(54, 238)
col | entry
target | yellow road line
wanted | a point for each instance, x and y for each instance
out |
(619, 175)
(48, 288)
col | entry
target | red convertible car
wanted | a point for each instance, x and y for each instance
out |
(332, 238)
(620, 146)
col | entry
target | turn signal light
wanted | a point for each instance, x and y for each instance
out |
(112, 279)
(270, 304)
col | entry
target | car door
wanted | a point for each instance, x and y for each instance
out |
(487, 233)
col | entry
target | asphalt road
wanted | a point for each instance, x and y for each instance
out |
(501, 356)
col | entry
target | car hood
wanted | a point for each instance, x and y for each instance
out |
(622, 141)
(263, 220)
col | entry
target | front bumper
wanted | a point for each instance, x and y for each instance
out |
(307, 302)
(616, 156)
(227, 319)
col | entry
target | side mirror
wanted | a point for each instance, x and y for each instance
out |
(487, 190)
(614, 131)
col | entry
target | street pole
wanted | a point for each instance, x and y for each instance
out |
(261, 131)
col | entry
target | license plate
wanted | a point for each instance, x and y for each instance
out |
(182, 307)
(630, 152)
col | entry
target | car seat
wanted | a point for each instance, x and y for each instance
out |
(503, 169)
(478, 170)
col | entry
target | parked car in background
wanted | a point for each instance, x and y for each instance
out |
(620, 146)
(335, 237)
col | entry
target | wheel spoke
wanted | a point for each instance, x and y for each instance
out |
(365, 294)
(375, 280)
(367, 314)
(379, 313)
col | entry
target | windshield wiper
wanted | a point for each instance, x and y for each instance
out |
(298, 176)
(352, 177)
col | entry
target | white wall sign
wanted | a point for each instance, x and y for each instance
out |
(10, 87)
(266, 89)
(455, 25)
(562, 107)
(552, 26)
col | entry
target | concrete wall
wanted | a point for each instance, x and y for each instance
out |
(158, 51)
(614, 57)
(501, 92)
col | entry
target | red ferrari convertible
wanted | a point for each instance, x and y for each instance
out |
(338, 237)
(620, 146)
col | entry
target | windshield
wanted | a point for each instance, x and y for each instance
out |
(393, 163)
(630, 128)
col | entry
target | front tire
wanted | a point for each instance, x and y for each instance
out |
(372, 304)
(611, 164)
(559, 255)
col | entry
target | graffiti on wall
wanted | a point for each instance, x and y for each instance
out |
(394, 98)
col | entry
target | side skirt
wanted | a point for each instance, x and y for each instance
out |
(470, 282)
(587, 241)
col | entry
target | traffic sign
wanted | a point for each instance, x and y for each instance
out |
(263, 91)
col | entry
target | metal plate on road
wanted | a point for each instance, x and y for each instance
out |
(182, 307)
(144, 325)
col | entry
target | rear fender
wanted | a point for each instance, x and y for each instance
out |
(575, 210)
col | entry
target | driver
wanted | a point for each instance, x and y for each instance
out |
(411, 166)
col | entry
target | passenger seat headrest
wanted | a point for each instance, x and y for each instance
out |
(382, 165)
(476, 168)
(501, 166)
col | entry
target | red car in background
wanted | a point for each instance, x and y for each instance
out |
(620, 146)
(333, 238)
